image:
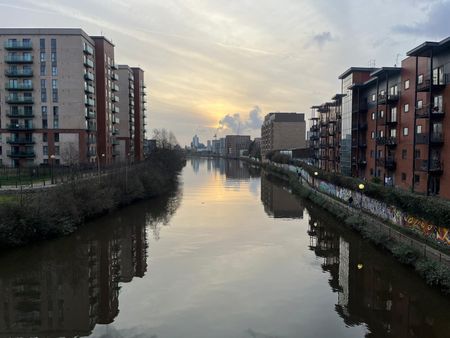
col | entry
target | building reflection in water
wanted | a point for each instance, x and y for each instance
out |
(370, 288)
(64, 288)
(278, 201)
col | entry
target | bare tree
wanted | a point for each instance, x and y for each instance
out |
(164, 139)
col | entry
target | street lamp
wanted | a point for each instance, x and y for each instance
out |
(52, 160)
(361, 187)
(98, 163)
(314, 179)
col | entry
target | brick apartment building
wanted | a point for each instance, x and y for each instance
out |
(282, 131)
(60, 100)
(394, 122)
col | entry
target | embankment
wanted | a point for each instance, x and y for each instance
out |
(44, 214)
(430, 260)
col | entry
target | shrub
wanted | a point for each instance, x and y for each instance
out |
(405, 254)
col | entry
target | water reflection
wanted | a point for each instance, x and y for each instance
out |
(222, 269)
(278, 201)
(374, 290)
(64, 288)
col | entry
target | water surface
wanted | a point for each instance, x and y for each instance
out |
(229, 253)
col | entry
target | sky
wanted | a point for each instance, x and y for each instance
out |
(218, 66)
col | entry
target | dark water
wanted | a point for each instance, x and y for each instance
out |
(228, 254)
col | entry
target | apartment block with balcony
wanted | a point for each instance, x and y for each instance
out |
(140, 111)
(431, 89)
(282, 131)
(48, 100)
(126, 114)
(107, 100)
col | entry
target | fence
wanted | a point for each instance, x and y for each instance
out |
(41, 176)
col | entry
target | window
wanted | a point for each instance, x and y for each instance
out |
(404, 153)
(416, 179)
(394, 90)
(55, 117)
(403, 177)
(380, 153)
(43, 69)
(381, 113)
(374, 97)
(53, 57)
(44, 137)
(55, 90)
(394, 114)
(381, 133)
(45, 150)
(53, 42)
(43, 91)
(371, 171)
(56, 137)
(42, 44)
(373, 116)
(407, 84)
(393, 132)
(44, 117)
(419, 104)
(56, 150)
(405, 131)
(406, 108)
(371, 154)
(419, 129)
(417, 154)
(373, 135)
(54, 71)
(420, 79)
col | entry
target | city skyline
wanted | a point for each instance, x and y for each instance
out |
(233, 62)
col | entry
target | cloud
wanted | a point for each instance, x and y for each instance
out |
(320, 39)
(237, 124)
(435, 24)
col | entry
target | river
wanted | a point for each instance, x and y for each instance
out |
(229, 253)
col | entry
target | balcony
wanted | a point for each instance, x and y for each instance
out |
(115, 66)
(323, 145)
(88, 63)
(435, 166)
(115, 153)
(15, 99)
(91, 127)
(89, 89)
(114, 77)
(20, 127)
(115, 142)
(91, 153)
(88, 49)
(18, 86)
(115, 98)
(436, 84)
(89, 102)
(89, 76)
(314, 128)
(115, 120)
(388, 163)
(91, 140)
(115, 109)
(434, 139)
(115, 88)
(115, 131)
(19, 59)
(362, 162)
(20, 113)
(19, 72)
(427, 111)
(89, 113)
(388, 98)
(391, 121)
(387, 141)
(362, 145)
(21, 154)
(18, 45)
(20, 140)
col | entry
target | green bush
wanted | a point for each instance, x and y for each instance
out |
(435, 274)
(405, 254)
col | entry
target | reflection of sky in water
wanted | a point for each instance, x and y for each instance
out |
(222, 268)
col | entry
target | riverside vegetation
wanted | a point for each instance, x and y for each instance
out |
(435, 274)
(58, 211)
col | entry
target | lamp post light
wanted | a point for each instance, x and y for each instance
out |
(52, 160)
(314, 179)
(98, 164)
(361, 187)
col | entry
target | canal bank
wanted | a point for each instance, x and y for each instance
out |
(430, 261)
(33, 215)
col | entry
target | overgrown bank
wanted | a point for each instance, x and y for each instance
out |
(59, 211)
(434, 273)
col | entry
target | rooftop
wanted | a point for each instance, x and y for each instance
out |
(354, 70)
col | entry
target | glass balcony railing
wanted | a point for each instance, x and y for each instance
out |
(114, 77)
(18, 45)
(115, 88)
(19, 59)
(20, 140)
(89, 102)
(88, 49)
(20, 113)
(115, 98)
(19, 86)
(88, 63)
(89, 76)
(18, 126)
(89, 113)
(89, 89)
(21, 154)
(19, 99)
(19, 72)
